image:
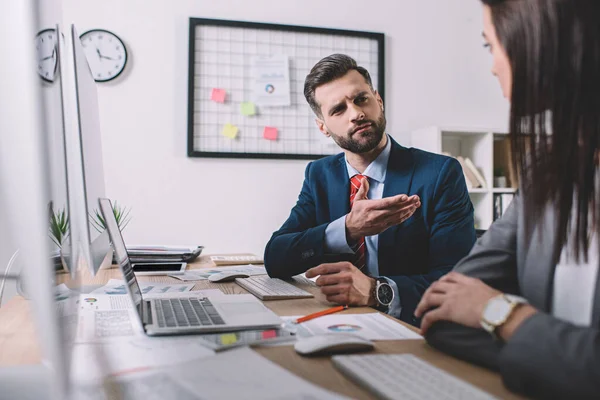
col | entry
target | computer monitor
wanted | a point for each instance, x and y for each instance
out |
(99, 252)
(25, 188)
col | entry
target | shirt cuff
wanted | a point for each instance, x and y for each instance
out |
(335, 237)
(396, 307)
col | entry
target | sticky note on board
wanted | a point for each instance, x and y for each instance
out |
(270, 133)
(248, 108)
(230, 131)
(218, 95)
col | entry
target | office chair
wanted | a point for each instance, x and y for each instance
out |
(7, 274)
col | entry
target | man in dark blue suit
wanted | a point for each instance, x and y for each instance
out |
(400, 218)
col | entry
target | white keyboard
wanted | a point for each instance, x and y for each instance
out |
(266, 288)
(405, 376)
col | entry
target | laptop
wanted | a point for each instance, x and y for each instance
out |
(186, 315)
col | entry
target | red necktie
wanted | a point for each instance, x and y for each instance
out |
(359, 249)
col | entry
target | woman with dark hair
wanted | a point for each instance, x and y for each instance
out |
(526, 300)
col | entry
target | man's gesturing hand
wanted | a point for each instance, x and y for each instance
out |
(371, 217)
(344, 284)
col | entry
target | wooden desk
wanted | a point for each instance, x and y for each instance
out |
(19, 345)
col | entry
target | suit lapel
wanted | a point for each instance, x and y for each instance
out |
(338, 188)
(398, 180)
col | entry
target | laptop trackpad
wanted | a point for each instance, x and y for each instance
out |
(241, 309)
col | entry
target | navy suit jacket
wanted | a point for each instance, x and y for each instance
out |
(413, 254)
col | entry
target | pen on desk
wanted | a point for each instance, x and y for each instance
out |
(320, 313)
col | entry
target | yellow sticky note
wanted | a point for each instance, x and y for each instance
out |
(228, 338)
(230, 131)
(248, 108)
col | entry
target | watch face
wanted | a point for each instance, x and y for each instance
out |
(47, 59)
(105, 52)
(385, 294)
(497, 310)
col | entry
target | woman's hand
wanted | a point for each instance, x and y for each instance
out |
(456, 298)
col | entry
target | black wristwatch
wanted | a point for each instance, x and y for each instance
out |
(383, 294)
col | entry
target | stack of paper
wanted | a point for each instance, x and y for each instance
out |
(203, 274)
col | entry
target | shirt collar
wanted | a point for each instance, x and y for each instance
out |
(378, 167)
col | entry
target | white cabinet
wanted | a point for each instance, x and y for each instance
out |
(477, 145)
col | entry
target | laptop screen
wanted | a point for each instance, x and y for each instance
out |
(133, 288)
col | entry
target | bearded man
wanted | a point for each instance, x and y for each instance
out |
(377, 223)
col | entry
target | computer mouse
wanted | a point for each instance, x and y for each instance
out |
(332, 343)
(226, 276)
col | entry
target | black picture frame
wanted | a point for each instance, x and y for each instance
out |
(195, 22)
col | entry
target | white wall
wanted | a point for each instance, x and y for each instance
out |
(436, 73)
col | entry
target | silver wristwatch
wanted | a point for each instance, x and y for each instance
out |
(383, 293)
(497, 311)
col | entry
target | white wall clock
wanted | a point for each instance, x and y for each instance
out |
(105, 52)
(47, 59)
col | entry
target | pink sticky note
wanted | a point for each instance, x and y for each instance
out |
(218, 95)
(270, 133)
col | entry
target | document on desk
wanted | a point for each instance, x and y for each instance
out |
(93, 361)
(238, 373)
(117, 287)
(243, 373)
(373, 326)
(203, 274)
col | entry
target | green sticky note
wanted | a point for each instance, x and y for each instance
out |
(230, 131)
(248, 108)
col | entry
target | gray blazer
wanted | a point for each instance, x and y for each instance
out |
(546, 357)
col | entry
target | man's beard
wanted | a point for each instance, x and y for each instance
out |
(374, 134)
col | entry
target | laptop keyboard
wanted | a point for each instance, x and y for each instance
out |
(266, 288)
(172, 313)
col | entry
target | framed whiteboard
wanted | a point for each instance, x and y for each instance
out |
(223, 118)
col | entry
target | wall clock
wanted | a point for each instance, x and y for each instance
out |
(47, 59)
(105, 52)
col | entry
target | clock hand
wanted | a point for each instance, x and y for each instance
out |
(100, 55)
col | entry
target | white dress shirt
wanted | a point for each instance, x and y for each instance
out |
(575, 286)
(335, 233)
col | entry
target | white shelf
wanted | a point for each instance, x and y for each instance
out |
(478, 145)
(478, 190)
(504, 190)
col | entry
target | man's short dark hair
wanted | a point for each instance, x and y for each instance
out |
(329, 69)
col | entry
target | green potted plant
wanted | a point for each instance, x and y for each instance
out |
(58, 231)
(121, 214)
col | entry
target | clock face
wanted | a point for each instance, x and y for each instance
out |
(47, 59)
(105, 53)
